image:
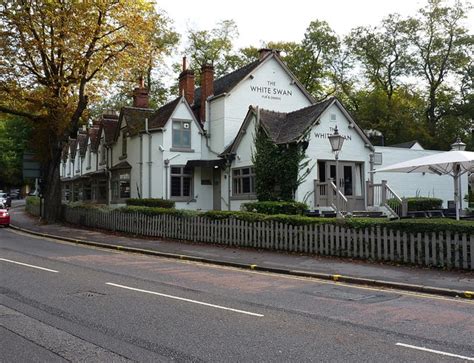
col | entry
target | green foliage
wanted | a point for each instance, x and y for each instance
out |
(418, 203)
(404, 225)
(150, 202)
(157, 211)
(422, 203)
(14, 135)
(32, 200)
(276, 207)
(269, 160)
(214, 46)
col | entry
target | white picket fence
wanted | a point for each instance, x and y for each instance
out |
(443, 249)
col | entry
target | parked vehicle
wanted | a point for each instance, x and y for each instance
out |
(5, 200)
(15, 194)
(4, 216)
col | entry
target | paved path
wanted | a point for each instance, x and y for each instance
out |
(406, 275)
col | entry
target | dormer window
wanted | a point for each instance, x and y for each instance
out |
(182, 134)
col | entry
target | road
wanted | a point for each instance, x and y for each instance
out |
(62, 302)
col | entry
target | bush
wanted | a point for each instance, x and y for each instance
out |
(151, 202)
(404, 225)
(270, 207)
(32, 200)
(420, 203)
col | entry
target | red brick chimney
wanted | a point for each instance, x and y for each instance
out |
(186, 83)
(140, 95)
(207, 88)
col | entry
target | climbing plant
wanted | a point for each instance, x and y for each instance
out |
(279, 168)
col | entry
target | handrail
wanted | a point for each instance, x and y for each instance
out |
(379, 194)
(393, 194)
(344, 198)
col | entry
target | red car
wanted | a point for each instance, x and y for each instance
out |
(4, 217)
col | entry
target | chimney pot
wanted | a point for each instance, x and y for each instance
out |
(186, 83)
(140, 95)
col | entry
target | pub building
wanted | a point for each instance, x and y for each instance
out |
(197, 149)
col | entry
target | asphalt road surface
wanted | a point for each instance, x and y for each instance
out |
(62, 302)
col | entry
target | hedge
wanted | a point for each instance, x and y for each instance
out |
(404, 225)
(419, 203)
(275, 207)
(32, 200)
(151, 202)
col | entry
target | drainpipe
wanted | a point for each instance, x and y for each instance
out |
(149, 156)
(141, 164)
(167, 165)
(228, 185)
(109, 175)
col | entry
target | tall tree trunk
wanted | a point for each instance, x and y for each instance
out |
(52, 187)
(431, 112)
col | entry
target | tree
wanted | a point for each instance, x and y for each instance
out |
(56, 56)
(438, 39)
(381, 53)
(313, 58)
(14, 135)
(213, 47)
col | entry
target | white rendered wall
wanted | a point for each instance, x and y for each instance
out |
(416, 184)
(319, 148)
(270, 87)
(202, 194)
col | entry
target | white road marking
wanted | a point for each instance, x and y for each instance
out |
(435, 351)
(184, 299)
(27, 265)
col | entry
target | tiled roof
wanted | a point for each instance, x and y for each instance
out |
(73, 147)
(135, 118)
(227, 82)
(163, 114)
(284, 128)
(82, 140)
(109, 127)
(407, 145)
(94, 135)
(64, 152)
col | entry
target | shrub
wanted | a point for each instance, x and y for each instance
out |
(290, 208)
(404, 225)
(150, 202)
(32, 200)
(420, 203)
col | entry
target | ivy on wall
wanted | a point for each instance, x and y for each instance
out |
(279, 169)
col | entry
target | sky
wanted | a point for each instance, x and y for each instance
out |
(261, 21)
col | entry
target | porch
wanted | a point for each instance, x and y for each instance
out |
(349, 194)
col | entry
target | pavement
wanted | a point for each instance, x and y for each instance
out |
(455, 283)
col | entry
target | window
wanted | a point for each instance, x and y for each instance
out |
(124, 144)
(243, 181)
(182, 134)
(181, 182)
(121, 185)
